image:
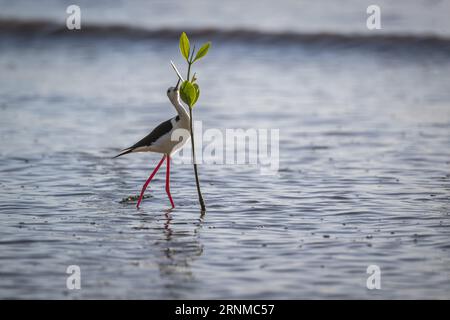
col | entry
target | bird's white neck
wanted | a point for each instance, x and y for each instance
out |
(180, 109)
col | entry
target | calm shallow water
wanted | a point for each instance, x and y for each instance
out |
(364, 172)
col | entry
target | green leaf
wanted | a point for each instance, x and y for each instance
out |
(203, 51)
(188, 93)
(197, 93)
(184, 45)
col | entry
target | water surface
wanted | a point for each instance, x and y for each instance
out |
(364, 173)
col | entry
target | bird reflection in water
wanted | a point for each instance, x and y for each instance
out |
(180, 247)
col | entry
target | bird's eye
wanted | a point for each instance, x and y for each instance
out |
(168, 90)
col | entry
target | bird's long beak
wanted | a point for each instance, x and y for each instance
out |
(178, 83)
(180, 78)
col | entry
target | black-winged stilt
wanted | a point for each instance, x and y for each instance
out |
(160, 139)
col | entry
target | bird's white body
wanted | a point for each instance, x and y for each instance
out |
(167, 143)
(170, 142)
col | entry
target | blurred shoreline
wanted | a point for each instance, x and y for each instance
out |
(47, 28)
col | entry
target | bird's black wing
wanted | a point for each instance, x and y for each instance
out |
(157, 133)
(148, 140)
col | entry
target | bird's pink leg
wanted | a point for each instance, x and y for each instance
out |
(148, 180)
(168, 182)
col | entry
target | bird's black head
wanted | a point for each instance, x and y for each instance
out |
(172, 92)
